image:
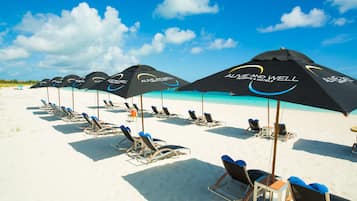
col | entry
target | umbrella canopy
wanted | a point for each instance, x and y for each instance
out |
(137, 80)
(91, 79)
(285, 75)
(43, 83)
(70, 81)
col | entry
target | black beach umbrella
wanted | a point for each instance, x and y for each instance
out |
(89, 81)
(137, 80)
(285, 75)
(70, 81)
(42, 83)
(57, 83)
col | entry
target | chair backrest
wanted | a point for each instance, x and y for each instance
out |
(136, 107)
(127, 132)
(105, 102)
(96, 122)
(154, 109)
(208, 117)
(254, 124)
(192, 114)
(111, 103)
(127, 105)
(86, 117)
(64, 110)
(147, 140)
(237, 170)
(44, 102)
(166, 111)
(282, 129)
(301, 193)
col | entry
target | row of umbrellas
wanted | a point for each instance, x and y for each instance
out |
(281, 74)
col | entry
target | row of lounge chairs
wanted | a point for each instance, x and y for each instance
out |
(206, 120)
(237, 183)
(255, 128)
(143, 148)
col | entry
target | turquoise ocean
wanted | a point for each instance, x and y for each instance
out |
(226, 98)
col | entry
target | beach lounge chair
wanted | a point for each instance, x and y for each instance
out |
(73, 116)
(91, 125)
(112, 104)
(167, 113)
(156, 112)
(136, 142)
(45, 104)
(254, 125)
(152, 152)
(136, 107)
(283, 134)
(209, 120)
(240, 183)
(300, 191)
(99, 128)
(194, 118)
(127, 106)
(106, 104)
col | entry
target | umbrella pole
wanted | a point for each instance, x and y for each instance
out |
(268, 112)
(142, 113)
(48, 96)
(202, 104)
(59, 97)
(72, 99)
(276, 131)
(98, 104)
(162, 102)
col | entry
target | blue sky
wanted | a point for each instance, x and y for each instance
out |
(189, 38)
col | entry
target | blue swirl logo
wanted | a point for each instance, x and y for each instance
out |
(260, 77)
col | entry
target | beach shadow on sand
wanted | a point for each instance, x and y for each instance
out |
(50, 118)
(181, 180)
(98, 148)
(176, 121)
(116, 110)
(231, 132)
(32, 108)
(69, 128)
(39, 113)
(95, 107)
(325, 149)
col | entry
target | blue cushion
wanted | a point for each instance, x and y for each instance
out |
(319, 188)
(122, 127)
(127, 128)
(241, 163)
(227, 158)
(141, 134)
(94, 117)
(148, 135)
(298, 181)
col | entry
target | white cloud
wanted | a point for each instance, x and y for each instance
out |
(342, 38)
(3, 34)
(172, 35)
(196, 50)
(13, 53)
(177, 36)
(341, 21)
(181, 8)
(77, 39)
(220, 43)
(297, 18)
(344, 5)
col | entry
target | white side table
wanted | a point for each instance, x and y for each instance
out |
(264, 184)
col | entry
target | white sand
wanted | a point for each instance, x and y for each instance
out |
(45, 159)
